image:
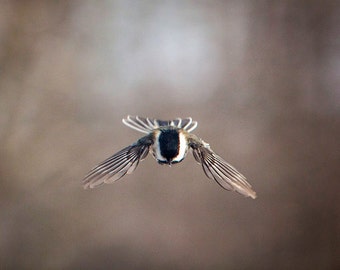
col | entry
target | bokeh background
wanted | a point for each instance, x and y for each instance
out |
(260, 77)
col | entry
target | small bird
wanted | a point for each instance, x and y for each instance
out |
(169, 142)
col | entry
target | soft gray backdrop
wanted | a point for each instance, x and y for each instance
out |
(260, 77)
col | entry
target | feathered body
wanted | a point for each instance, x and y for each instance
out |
(169, 142)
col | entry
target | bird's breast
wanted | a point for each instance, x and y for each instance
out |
(171, 146)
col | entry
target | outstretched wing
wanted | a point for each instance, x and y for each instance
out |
(218, 169)
(121, 163)
(147, 125)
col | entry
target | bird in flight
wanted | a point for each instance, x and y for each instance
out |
(168, 141)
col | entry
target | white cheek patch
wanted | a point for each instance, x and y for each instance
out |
(183, 148)
(156, 149)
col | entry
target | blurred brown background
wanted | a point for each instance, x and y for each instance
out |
(260, 77)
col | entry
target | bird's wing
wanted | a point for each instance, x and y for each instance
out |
(121, 163)
(218, 169)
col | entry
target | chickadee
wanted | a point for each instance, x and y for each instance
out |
(169, 142)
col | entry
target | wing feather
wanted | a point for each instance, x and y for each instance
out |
(123, 162)
(218, 169)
